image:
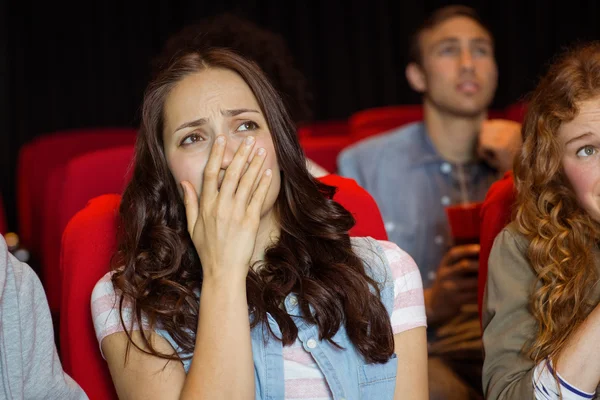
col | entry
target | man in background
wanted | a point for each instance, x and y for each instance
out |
(452, 156)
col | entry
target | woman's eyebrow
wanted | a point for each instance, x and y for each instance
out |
(238, 111)
(584, 135)
(192, 124)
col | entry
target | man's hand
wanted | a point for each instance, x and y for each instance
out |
(455, 284)
(499, 142)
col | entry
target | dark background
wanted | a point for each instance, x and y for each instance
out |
(85, 64)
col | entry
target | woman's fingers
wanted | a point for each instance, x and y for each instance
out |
(260, 194)
(250, 178)
(236, 168)
(190, 201)
(213, 167)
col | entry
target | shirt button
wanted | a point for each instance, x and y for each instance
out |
(445, 200)
(431, 275)
(312, 343)
(446, 168)
(293, 300)
(439, 240)
(390, 226)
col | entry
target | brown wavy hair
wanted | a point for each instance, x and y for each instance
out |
(561, 233)
(159, 271)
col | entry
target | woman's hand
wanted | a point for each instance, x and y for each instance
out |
(224, 223)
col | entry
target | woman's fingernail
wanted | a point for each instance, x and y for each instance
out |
(261, 152)
(220, 140)
(268, 172)
(249, 140)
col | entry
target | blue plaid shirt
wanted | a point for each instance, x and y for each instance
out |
(412, 184)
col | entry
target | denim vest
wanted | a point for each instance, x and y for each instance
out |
(348, 375)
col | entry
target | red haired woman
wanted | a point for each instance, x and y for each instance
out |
(541, 316)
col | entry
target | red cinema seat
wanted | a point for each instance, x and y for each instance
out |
(496, 213)
(69, 189)
(38, 158)
(361, 204)
(324, 150)
(88, 243)
(374, 121)
(516, 112)
(324, 129)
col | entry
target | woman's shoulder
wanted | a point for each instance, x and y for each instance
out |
(105, 307)
(103, 289)
(400, 263)
(509, 257)
(511, 237)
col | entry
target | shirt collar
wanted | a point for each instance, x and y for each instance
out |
(424, 152)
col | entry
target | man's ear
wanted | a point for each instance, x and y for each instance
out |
(416, 77)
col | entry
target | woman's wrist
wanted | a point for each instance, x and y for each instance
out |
(223, 277)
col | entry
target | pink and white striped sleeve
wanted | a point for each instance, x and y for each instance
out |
(105, 310)
(409, 304)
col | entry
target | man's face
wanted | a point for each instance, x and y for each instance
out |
(458, 69)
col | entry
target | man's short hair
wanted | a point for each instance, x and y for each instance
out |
(438, 17)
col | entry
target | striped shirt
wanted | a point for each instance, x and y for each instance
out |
(303, 378)
(545, 386)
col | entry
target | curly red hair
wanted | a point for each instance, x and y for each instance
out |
(561, 234)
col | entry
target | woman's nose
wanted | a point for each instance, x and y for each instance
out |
(232, 146)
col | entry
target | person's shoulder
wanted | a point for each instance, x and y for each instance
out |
(509, 260)
(393, 140)
(104, 297)
(23, 275)
(400, 262)
(104, 285)
(384, 252)
(511, 236)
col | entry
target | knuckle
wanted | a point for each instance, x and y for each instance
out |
(211, 172)
(233, 174)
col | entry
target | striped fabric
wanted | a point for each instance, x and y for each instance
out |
(303, 378)
(545, 387)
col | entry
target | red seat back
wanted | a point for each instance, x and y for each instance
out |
(324, 150)
(324, 129)
(496, 114)
(88, 243)
(496, 213)
(361, 204)
(374, 121)
(37, 160)
(69, 189)
(516, 112)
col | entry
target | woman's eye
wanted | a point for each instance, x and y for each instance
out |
(248, 126)
(586, 151)
(190, 139)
